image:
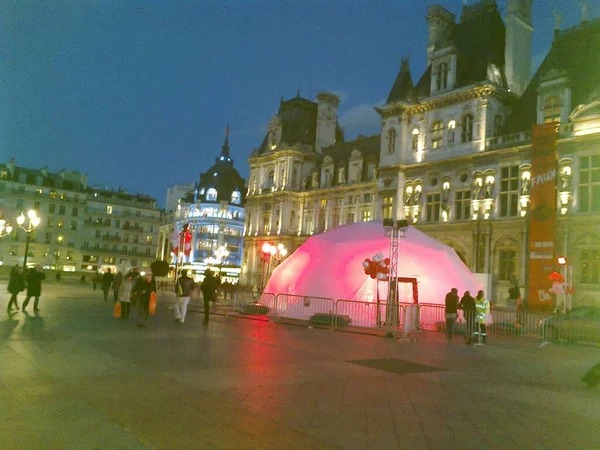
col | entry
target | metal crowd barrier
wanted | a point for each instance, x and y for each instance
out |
(432, 317)
(320, 310)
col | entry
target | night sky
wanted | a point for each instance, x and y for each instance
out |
(138, 94)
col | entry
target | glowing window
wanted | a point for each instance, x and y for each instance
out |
(437, 134)
(552, 107)
(415, 139)
(211, 194)
(236, 197)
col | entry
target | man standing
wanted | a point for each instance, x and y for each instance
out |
(117, 285)
(467, 304)
(107, 280)
(34, 287)
(209, 292)
(183, 289)
(451, 307)
(482, 306)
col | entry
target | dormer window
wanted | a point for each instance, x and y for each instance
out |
(437, 134)
(271, 178)
(391, 141)
(327, 177)
(441, 76)
(451, 131)
(272, 140)
(552, 107)
(236, 197)
(211, 195)
(466, 128)
(415, 139)
(342, 175)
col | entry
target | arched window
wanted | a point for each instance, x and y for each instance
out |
(466, 128)
(437, 134)
(497, 124)
(451, 131)
(271, 178)
(441, 76)
(391, 141)
(327, 176)
(236, 197)
(292, 219)
(415, 139)
(552, 107)
(211, 195)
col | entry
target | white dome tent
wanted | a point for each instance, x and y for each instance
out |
(330, 265)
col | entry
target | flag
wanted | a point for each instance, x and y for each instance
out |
(175, 241)
(187, 242)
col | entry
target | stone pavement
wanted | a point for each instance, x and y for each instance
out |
(76, 378)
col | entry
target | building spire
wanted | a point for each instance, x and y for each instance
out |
(225, 148)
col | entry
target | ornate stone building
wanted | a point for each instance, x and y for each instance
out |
(456, 146)
(305, 179)
(214, 212)
(82, 228)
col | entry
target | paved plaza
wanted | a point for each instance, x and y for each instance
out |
(76, 378)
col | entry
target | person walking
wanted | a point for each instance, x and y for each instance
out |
(467, 304)
(451, 302)
(482, 307)
(34, 287)
(16, 284)
(209, 292)
(125, 295)
(107, 280)
(144, 286)
(183, 289)
(117, 285)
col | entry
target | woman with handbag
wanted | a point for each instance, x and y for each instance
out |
(125, 295)
(143, 289)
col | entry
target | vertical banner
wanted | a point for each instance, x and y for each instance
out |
(542, 219)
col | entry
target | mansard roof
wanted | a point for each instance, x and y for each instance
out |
(479, 41)
(369, 146)
(298, 118)
(575, 54)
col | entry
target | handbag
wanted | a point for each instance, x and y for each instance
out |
(117, 310)
(152, 303)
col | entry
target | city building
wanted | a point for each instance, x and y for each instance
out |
(213, 212)
(457, 157)
(174, 193)
(81, 228)
(304, 179)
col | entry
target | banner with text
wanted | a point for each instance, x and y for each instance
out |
(542, 219)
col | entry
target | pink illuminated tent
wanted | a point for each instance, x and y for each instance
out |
(330, 265)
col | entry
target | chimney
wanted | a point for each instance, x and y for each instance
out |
(327, 105)
(441, 21)
(517, 48)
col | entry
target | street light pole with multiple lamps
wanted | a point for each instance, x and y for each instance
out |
(32, 222)
(5, 228)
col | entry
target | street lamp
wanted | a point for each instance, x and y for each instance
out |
(59, 239)
(221, 253)
(270, 251)
(5, 228)
(32, 222)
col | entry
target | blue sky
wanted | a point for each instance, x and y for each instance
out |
(137, 94)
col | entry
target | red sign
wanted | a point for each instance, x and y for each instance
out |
(542, 218)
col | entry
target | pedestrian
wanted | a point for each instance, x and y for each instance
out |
(143, 287)
(467, 304)
(209, 292)
(117, 285)
(34, 287)
(125, 295)
(107, 280)
(16, 284)
(482, 306)
(183, 289)
(58, 276)
(451, 302)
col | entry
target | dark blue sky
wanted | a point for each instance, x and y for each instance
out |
(138, 93)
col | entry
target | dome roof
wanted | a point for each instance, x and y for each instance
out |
(223, 178)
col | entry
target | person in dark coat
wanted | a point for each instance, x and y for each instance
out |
(144, 286)
(209, 292)
(117, 285)
(34, 287)
(451, 302)
(15, 285)
(467, 304)
(107, 280)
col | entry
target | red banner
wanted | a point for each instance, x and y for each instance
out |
(542, 219)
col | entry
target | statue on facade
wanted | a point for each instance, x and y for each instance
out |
(565, 179)
(525, 185)
(408, 196)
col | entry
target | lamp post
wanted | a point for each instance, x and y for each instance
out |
(5, 228)
(57, 254)
(270, 252)
(568, 275)
(32, 222)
